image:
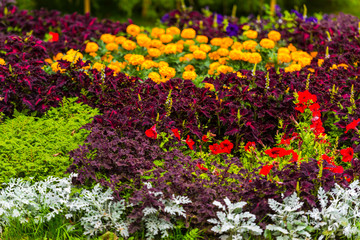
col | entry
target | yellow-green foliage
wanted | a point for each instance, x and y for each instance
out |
(38, 147)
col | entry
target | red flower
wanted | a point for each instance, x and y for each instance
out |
(226, 146)
(317, 127)
(327, 159)
(347, 153)
(205, 138)
(352, 125)
(284, 141)
(201, 167)
(300, 107)
(249, 146)
(314, 107)
(190, 142)
(335, 169)
(151, 133)
(54, 37)
(295, 156)
(266, 169)
(305, 96)
(276, 152)
(215, 149)
(176, 133)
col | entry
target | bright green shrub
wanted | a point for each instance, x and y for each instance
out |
(38, 147)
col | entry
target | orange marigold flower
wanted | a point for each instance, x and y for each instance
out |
(163, 64)
(235, 55)
(274, 35)
(154, 76)
(283, 50)
(209, 86)
(267, 43)
(237, 46)
(187, 57)
(216, 41)
(193, 48)
(254, 58)
(173, 31)
(98, 66)
(189, 42)
(284, 57)
(189, 68)
(143, 40)
(107, 38)
(133, 30)
(223, 52)
(91, 47)
(136, 59)
(154, 52)
(251, 34)
(198, 54)
(202, 39)
(188, 33)
(166, 38)
(157, 32)
(56, 67)
(120, 40)
(147, 64)
(205, 48)
(156, 43)
(171, 48)
(167, 72)
(226, 42)
(214, 56)
(291, 47)
(249, 44)
(111, 46)
(189, 75)
(129, 45)
(320, 62)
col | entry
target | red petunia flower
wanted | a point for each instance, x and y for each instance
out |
(352, 125)
(54, 37)
(205, 138)
(306, 96)
(201, 167)
(215, 149)
(327, 159)
(176, 133)
(276, 152)
(335, 169)
(300, 107)
(284, 141)
(226, 146)
(295, 156)
(265, 170)
(347, 154)
(151, 133)
(190, 142)
(314, 107)
(249, 146)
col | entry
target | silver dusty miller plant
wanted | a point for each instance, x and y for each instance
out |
(232, 223)
(289, 222)
(155, 225)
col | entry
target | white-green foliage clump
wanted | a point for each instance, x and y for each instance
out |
(232, 223)
(155, 225)
(289, 222)
(339, 213)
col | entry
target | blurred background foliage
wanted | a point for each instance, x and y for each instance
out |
(145, 11)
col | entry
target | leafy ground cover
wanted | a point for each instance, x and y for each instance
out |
(202, 127)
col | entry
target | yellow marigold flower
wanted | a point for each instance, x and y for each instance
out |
(143, 40)
(72, 56)
(320, 62)
(173, 31)
(157, 32)
(166, 38)
(171, 48)
(154, 52)
(311, 70)
(189, 68)
(226, 42)
(209, 86)
(47, 60)
(202, 39)
(120, 40)
(2, 61)
(239, 75)
(304, 62)
(114, 67)
(156, 43)
(98, 66)
(291, 47)
(163, 64)
(254, 58)
(274, 35)
(216, 41)
(249, 44)
(58, 56)
(155, 77)
(246, 56)
(167, 72)
(269, 65)
(267, 43)
(133, 30)
(223, 52)
(189, 75)
(188, 33)
(205, 48)
(180, 42)
(147, 64)
(223, 60)
(214, 56)
(193, 48)
(127, 56)
(91, 47)
(235, 55)
(107, 57)
(136, 59)
(211, 71)
(214, 65)
(284, 58)
(333, 67)
(198, 54)
(293, 68)
(112, 46)
(189, 42)
(343, 65)
(237, 46)
(187, 57)
(179, 48)
(56, 67)
(93, 54)
(129, 45)
(283, 50)
(251, 34)
(107, 38)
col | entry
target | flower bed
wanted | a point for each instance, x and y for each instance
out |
(200, 129)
